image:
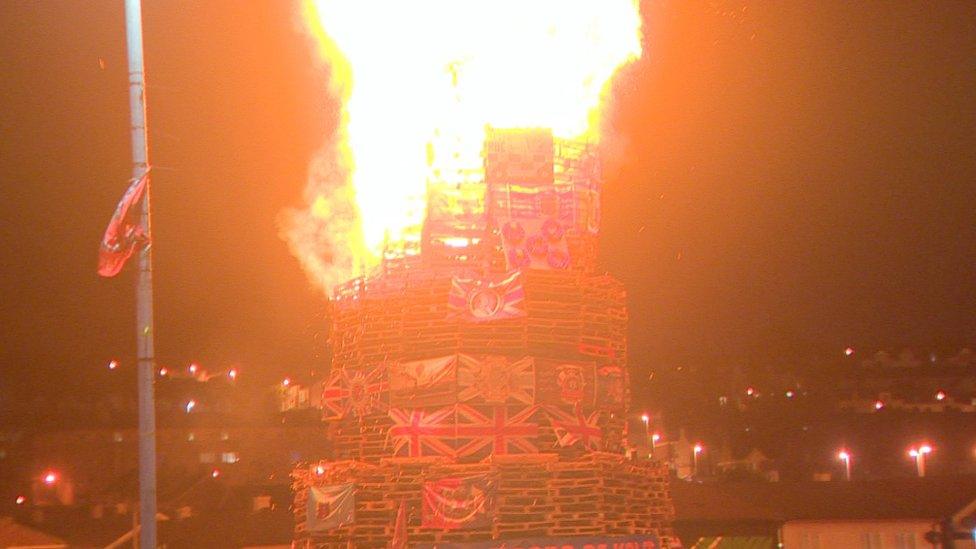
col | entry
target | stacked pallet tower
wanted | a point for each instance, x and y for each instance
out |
(479, 390)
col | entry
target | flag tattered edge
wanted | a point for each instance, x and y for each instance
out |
(123, 236)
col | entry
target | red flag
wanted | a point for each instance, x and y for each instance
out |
(399, 540)
(457, 503)
(123, 236)
(477, 300)
(575, 427)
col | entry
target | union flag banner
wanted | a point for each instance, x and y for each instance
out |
(330, 507)
(457, 503)
(565, 383)
(417, 433)
(356, 392)
(611, 384)
(573, 427)
(479, 300)
(124, 235)
(497, 430)
(495, 379)
(534, 243)
(430, 382)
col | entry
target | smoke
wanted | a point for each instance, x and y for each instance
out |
(320, 234)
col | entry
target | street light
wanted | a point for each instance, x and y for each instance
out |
(845, 456)
(697, 451)
(918, 454)
(50, 478)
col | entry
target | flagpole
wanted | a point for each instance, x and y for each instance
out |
(146, 368)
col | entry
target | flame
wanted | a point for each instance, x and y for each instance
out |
(418, 82)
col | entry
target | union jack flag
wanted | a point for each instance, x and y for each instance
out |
(574, 427)
(353, 391)
(417, 433)
(495, 430)
(477, 300)
(496, 380)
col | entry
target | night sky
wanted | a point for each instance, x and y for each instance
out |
(784, 180)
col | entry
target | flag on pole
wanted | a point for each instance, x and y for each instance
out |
(123, 236)
(399, 540)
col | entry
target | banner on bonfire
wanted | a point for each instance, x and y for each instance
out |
(418, 433)
(481, 300)
(356, 392)
(565, 383)
(330, 507)
(495, 379)
(457, 503)
(572, 427)
(534, 244)
(611, 387)
(496, 430)
(642, 541)
(430, 382)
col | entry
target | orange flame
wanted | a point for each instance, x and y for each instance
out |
(419, 82)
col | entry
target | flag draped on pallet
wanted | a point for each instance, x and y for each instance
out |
(495, 430)
(356, 392)
(495, 380)
(565, 383)
(574, 427)
(330, 507)
(534, 243)
(457, 503)
(480, 300)
(417, 433)
(610, 387)
(429, 382)
(124, 235)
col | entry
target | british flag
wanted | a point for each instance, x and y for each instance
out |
(497, 429)
(483, 300)
(495, 379)
(353, 391)
(574, 427)
(417, 433)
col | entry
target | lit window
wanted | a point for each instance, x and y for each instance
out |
(229, 457)
(224, 435)
(117, 436)
(208, 457)
(190, 437)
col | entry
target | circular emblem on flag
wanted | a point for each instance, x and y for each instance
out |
(484, 303)
(536, 246)
(552, 230)
(558, 259)
(513, 232)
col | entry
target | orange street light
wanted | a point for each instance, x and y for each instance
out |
(845, 456)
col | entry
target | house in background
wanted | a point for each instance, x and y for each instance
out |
(905, 513)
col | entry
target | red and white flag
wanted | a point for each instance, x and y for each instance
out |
(495, 379)
(124, 235)
(535, 244)
(457, 503)
(497, 429)
(575, 427)
(356, 392)
(430, 382)
(482, 300)
(417, 433)
(399, 539)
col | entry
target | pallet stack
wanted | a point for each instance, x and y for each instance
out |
(565, 476)
(537, 495)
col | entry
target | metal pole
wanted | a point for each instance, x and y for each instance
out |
(144, 294)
